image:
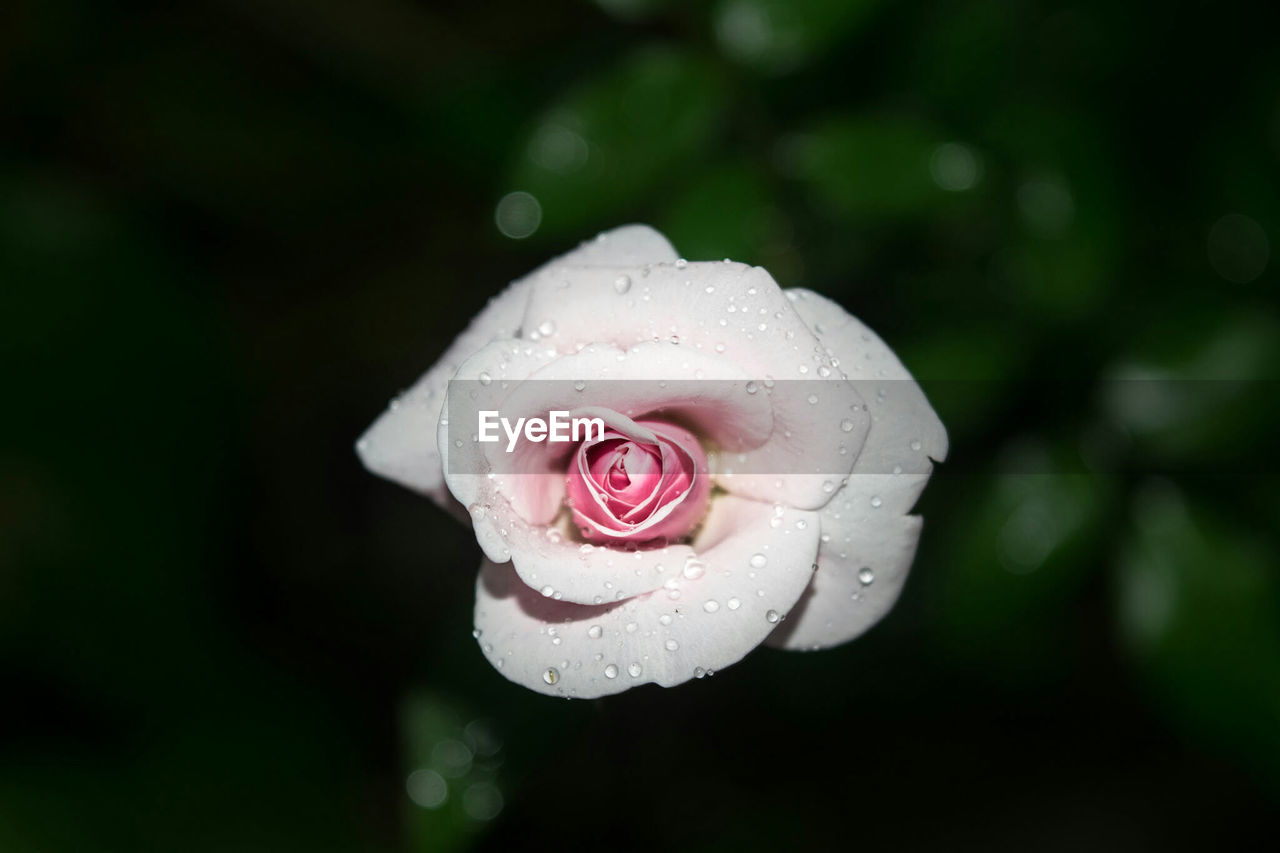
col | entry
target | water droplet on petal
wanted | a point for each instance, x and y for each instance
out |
(484, 378)
(579, 385)
(758, 561)
(876, 501)
(752, 387)
(610, 671)
(551, 675)
(547, 327)
(866, 576)
(671, 645)
(915, 444)
(634, 670)
(846, 425)
(772, 616)
(622, 284)
(711, 605)
(694, 568)
(733, 603)
(547, 591)
(594, 632)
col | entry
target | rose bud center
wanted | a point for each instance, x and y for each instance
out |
(639, 488)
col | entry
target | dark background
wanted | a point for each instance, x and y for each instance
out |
(231, 231)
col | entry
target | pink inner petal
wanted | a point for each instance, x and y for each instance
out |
(627, 489)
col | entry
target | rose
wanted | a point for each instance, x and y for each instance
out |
(762, 451)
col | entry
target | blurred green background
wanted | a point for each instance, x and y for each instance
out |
(230, 231)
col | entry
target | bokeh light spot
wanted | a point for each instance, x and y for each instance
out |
(482, 801)
(556, 148)
(427, 788)
(518, 215)
(955, 167)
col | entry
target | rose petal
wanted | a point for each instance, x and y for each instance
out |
(905, 430)
(861, 571)
(401, 444)
(761, 333)
(722, 614)
(865, 524)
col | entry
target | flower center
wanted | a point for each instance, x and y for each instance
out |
(639, 487)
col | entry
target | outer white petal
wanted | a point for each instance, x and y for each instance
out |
(905, 431)
(861, 570)
(401, 444)
(868, 534)
(572, 650)
(739, 313)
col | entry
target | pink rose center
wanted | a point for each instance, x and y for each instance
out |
(634, 489)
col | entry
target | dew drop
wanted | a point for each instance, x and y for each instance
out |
(610, 671)
(551, 675)
(866, 576)
(484, 378)
(622, 284)
(594, 632)
(693, 568)
(547, 327)
(915, 444)
(876, 501)
(733, 603)
(547, 591)
(752, 387)
(681, 263)
(634, 670)
(665, 618)
(846, 425)
(758, 561)
(772, 616)
(579, 385)
(711, 605)
(671, 645)
(813, 399)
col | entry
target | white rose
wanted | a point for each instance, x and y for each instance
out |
(768, 502)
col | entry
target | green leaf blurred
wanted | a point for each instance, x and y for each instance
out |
(868, 168)
(777, 36)
(1198, 607)
(629, 135)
